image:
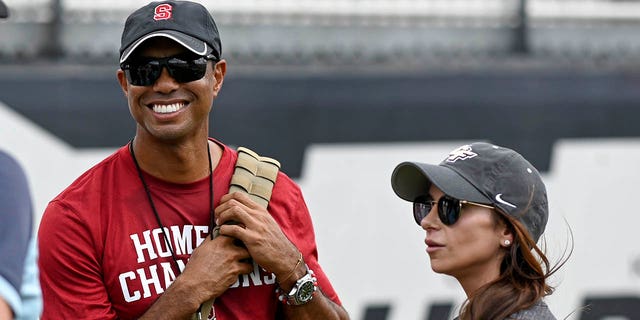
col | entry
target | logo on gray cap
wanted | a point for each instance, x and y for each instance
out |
(462, 153)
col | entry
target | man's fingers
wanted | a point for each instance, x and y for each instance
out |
(240, 256)
(232, 212)
(240, 197)
(238, 207)
(235, 231)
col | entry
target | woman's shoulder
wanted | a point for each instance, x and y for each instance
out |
(539, 311)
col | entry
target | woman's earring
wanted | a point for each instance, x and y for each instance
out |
(507, 242)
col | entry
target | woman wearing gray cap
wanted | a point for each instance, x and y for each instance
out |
(484, 208)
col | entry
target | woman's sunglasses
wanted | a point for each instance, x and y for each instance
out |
(448, 208)
(145, 71)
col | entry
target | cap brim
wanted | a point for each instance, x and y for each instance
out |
(413, 179)
(4, 11)
(195, 45)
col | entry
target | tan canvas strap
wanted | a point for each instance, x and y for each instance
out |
(256, 176)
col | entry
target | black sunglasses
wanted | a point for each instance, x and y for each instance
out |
(144, 71)
(448, 208)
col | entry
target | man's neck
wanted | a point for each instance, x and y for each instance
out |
(178, 162)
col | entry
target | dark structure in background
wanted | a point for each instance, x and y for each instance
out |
(518, 78)
(280, 113)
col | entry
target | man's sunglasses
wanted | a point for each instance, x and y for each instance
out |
(448, 208)
(142, 71)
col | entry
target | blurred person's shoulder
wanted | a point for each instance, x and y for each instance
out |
(8, 163)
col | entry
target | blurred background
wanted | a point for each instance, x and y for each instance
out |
(350, 71)
(340, 91)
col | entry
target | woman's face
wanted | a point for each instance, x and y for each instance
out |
(471, 247)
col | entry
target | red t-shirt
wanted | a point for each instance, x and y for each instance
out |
(103, 254)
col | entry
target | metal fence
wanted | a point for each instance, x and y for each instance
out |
(347, 32)
(539, 10)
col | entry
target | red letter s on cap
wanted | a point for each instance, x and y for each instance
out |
(162, 12)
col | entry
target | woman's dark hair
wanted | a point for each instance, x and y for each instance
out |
(522, 282)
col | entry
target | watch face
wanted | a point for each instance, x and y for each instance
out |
(305, 292)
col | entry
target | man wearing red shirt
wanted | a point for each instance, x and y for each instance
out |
(130, 238)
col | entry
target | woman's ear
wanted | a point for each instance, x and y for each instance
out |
(506, 236)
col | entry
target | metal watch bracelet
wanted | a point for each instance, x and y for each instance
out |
(302, 291)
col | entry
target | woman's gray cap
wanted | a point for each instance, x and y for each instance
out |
(484, 173)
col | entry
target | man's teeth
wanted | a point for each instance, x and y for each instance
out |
(167, 108)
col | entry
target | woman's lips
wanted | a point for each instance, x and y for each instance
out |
(433, 246)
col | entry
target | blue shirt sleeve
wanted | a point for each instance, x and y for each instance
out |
(30, 293)
(10, 295)
(16, 216)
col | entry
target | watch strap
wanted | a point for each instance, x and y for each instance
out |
(302, 292)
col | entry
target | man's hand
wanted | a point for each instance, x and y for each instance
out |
(260, 233)
(212, 268)
(215, 265)
(273, 251)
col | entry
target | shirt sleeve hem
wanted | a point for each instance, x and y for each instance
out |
(10, 295)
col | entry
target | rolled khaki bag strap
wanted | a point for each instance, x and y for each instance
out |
(254, 175)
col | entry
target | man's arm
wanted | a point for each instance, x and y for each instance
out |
(320, 306)
(5, 310)
(272, 250)
(70, 272)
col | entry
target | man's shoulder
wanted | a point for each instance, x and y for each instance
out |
(286, 187)
(95, 176)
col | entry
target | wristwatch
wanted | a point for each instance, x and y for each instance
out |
(302, 291)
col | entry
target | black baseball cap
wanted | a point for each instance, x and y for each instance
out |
(484, 173)
(188, 23)
(4, 11)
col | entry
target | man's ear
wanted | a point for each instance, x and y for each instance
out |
(122, 79)
(219, 71)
